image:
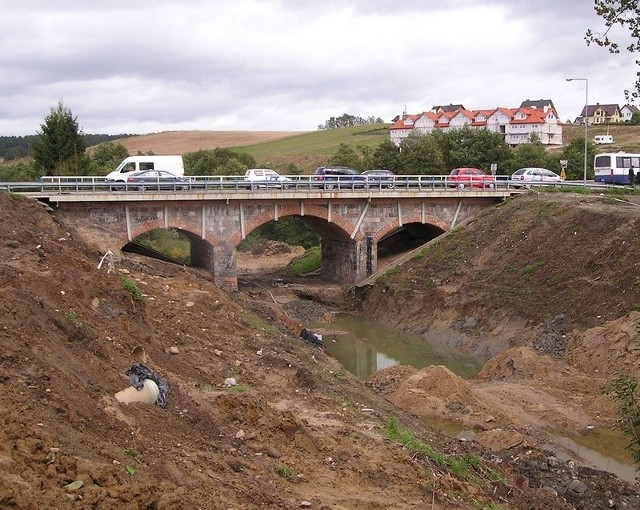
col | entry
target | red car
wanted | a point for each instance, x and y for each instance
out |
(470, 177)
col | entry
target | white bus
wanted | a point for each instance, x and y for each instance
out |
(613, 167)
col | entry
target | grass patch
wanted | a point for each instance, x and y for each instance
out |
(169, 242)
(420, 254)
(531, 268)
(284, 472)
(258, 323)
(465, 467)
(72, 317)
(238, 388)
(130, 452)
(310, 261)
(132, 289)
(15, 196)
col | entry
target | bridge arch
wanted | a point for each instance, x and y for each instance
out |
(310, 215)
(394, 224)
(350, 224)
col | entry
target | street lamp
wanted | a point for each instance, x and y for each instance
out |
(585, 120)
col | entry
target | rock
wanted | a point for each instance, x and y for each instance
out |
(498, 440)
(174, 350)
(230, 381)
(305, 504)
(240, 434)
(273, 453)
(465, 324)
(217, 352)
(577, 487)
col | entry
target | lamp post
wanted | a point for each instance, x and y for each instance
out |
(584, 119)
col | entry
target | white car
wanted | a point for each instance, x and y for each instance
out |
(532, 176)
(264, 175)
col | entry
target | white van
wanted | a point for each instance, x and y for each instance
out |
(603, 139)
(171, 164)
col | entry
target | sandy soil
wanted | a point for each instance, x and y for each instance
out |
(295, 431)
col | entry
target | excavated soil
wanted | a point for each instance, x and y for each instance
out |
(294, 430)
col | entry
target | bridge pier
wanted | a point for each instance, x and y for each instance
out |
(348, 261)
(224, 267)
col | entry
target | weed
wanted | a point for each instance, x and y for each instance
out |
(420, 254)
(72, 317)
(132, 289)
(623, 391)
(130, 452)
(238, 388)
(15, 196)
(284, 472)
(531, 268)
(258, 323)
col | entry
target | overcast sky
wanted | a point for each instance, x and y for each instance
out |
(142, 66)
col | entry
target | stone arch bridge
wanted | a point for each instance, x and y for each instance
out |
(352, 225)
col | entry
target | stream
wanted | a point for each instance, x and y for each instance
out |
(363, 347)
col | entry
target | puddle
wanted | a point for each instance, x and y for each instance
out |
(363, 347)
(587, 450)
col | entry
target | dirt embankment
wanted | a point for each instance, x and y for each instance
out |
(545, 288)
(294, 431)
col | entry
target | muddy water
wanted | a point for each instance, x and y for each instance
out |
(364, 347)
(601, 449)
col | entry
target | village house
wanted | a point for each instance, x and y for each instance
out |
(516, 125)
(627, 111)
(600, 114)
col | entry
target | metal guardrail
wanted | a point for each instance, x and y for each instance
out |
(94, 184)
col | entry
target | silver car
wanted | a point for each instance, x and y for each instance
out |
(531, 176)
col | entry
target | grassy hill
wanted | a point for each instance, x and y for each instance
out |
(308, 150)
(626, 138)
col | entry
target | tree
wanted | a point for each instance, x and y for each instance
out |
(625, 14)
(574, 154)
(635, 119)
(217, 162)
(346, 120)
(106, 157)
(421, 155)
(60, 147)
(473, 147)
(531, 155)
(386, 155)
(345, 156)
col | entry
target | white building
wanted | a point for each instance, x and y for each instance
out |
(517, 125)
